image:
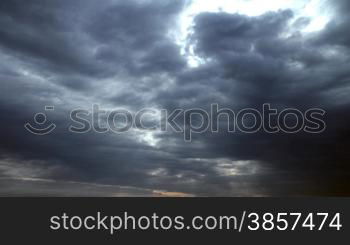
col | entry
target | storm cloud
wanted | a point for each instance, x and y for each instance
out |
(127, 54)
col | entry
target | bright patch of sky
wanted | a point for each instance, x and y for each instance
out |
(313, 9)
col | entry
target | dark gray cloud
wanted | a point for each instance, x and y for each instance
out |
(122, 53)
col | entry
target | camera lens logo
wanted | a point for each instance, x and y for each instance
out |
(42, 126)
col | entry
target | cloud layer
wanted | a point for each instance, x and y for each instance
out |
(124, 54)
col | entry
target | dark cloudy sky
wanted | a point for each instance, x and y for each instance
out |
(170, 54)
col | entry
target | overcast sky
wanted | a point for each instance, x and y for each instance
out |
(170, 54)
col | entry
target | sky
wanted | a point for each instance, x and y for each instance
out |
(167, 54)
